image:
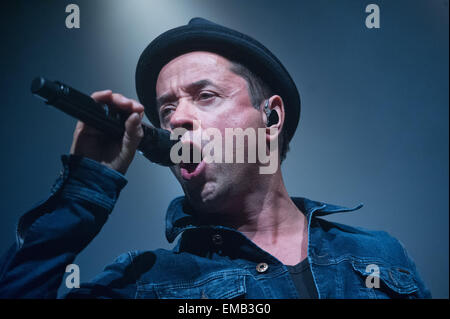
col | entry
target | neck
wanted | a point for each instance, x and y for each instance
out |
(268, 217)
(269, 211)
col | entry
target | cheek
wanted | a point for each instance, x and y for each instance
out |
(236, 117)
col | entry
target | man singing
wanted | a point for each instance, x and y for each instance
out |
(240, 234)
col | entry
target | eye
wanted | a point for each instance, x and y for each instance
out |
(206, 95)
(166, 110)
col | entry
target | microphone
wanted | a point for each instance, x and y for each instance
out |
(156, 143)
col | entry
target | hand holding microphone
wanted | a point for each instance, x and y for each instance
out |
(116, 153)
(110, 127)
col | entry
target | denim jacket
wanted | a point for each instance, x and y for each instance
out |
(207, 262)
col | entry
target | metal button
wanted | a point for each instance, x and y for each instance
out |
(217, 239)
(262, 267)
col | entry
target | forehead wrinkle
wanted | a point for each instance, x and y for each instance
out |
(191, 68)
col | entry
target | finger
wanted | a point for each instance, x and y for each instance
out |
(101, 96)
(117, 100)
(133, 127)
(137, 107)
(127, 104)
(121, 102)
(133, 132)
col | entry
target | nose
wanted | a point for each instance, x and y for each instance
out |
(184, 116)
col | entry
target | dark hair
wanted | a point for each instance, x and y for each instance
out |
(258, 92)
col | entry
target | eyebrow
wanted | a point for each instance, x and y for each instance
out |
(193, 87)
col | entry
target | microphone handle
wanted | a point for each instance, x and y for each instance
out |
(156, 143)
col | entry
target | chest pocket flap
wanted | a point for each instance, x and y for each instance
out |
(398, 279)
(218, 285)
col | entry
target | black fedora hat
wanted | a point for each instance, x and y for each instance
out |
(202, 35)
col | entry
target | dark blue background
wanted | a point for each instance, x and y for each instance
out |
(374, 125)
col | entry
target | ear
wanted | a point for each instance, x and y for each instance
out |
(274, 124)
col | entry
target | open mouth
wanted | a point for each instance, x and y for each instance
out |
(194, 164)
(189, 167)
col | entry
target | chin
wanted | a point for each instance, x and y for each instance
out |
(204, 196)
(209, 193)
(210, 198)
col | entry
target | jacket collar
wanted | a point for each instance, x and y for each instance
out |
(179, 216)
